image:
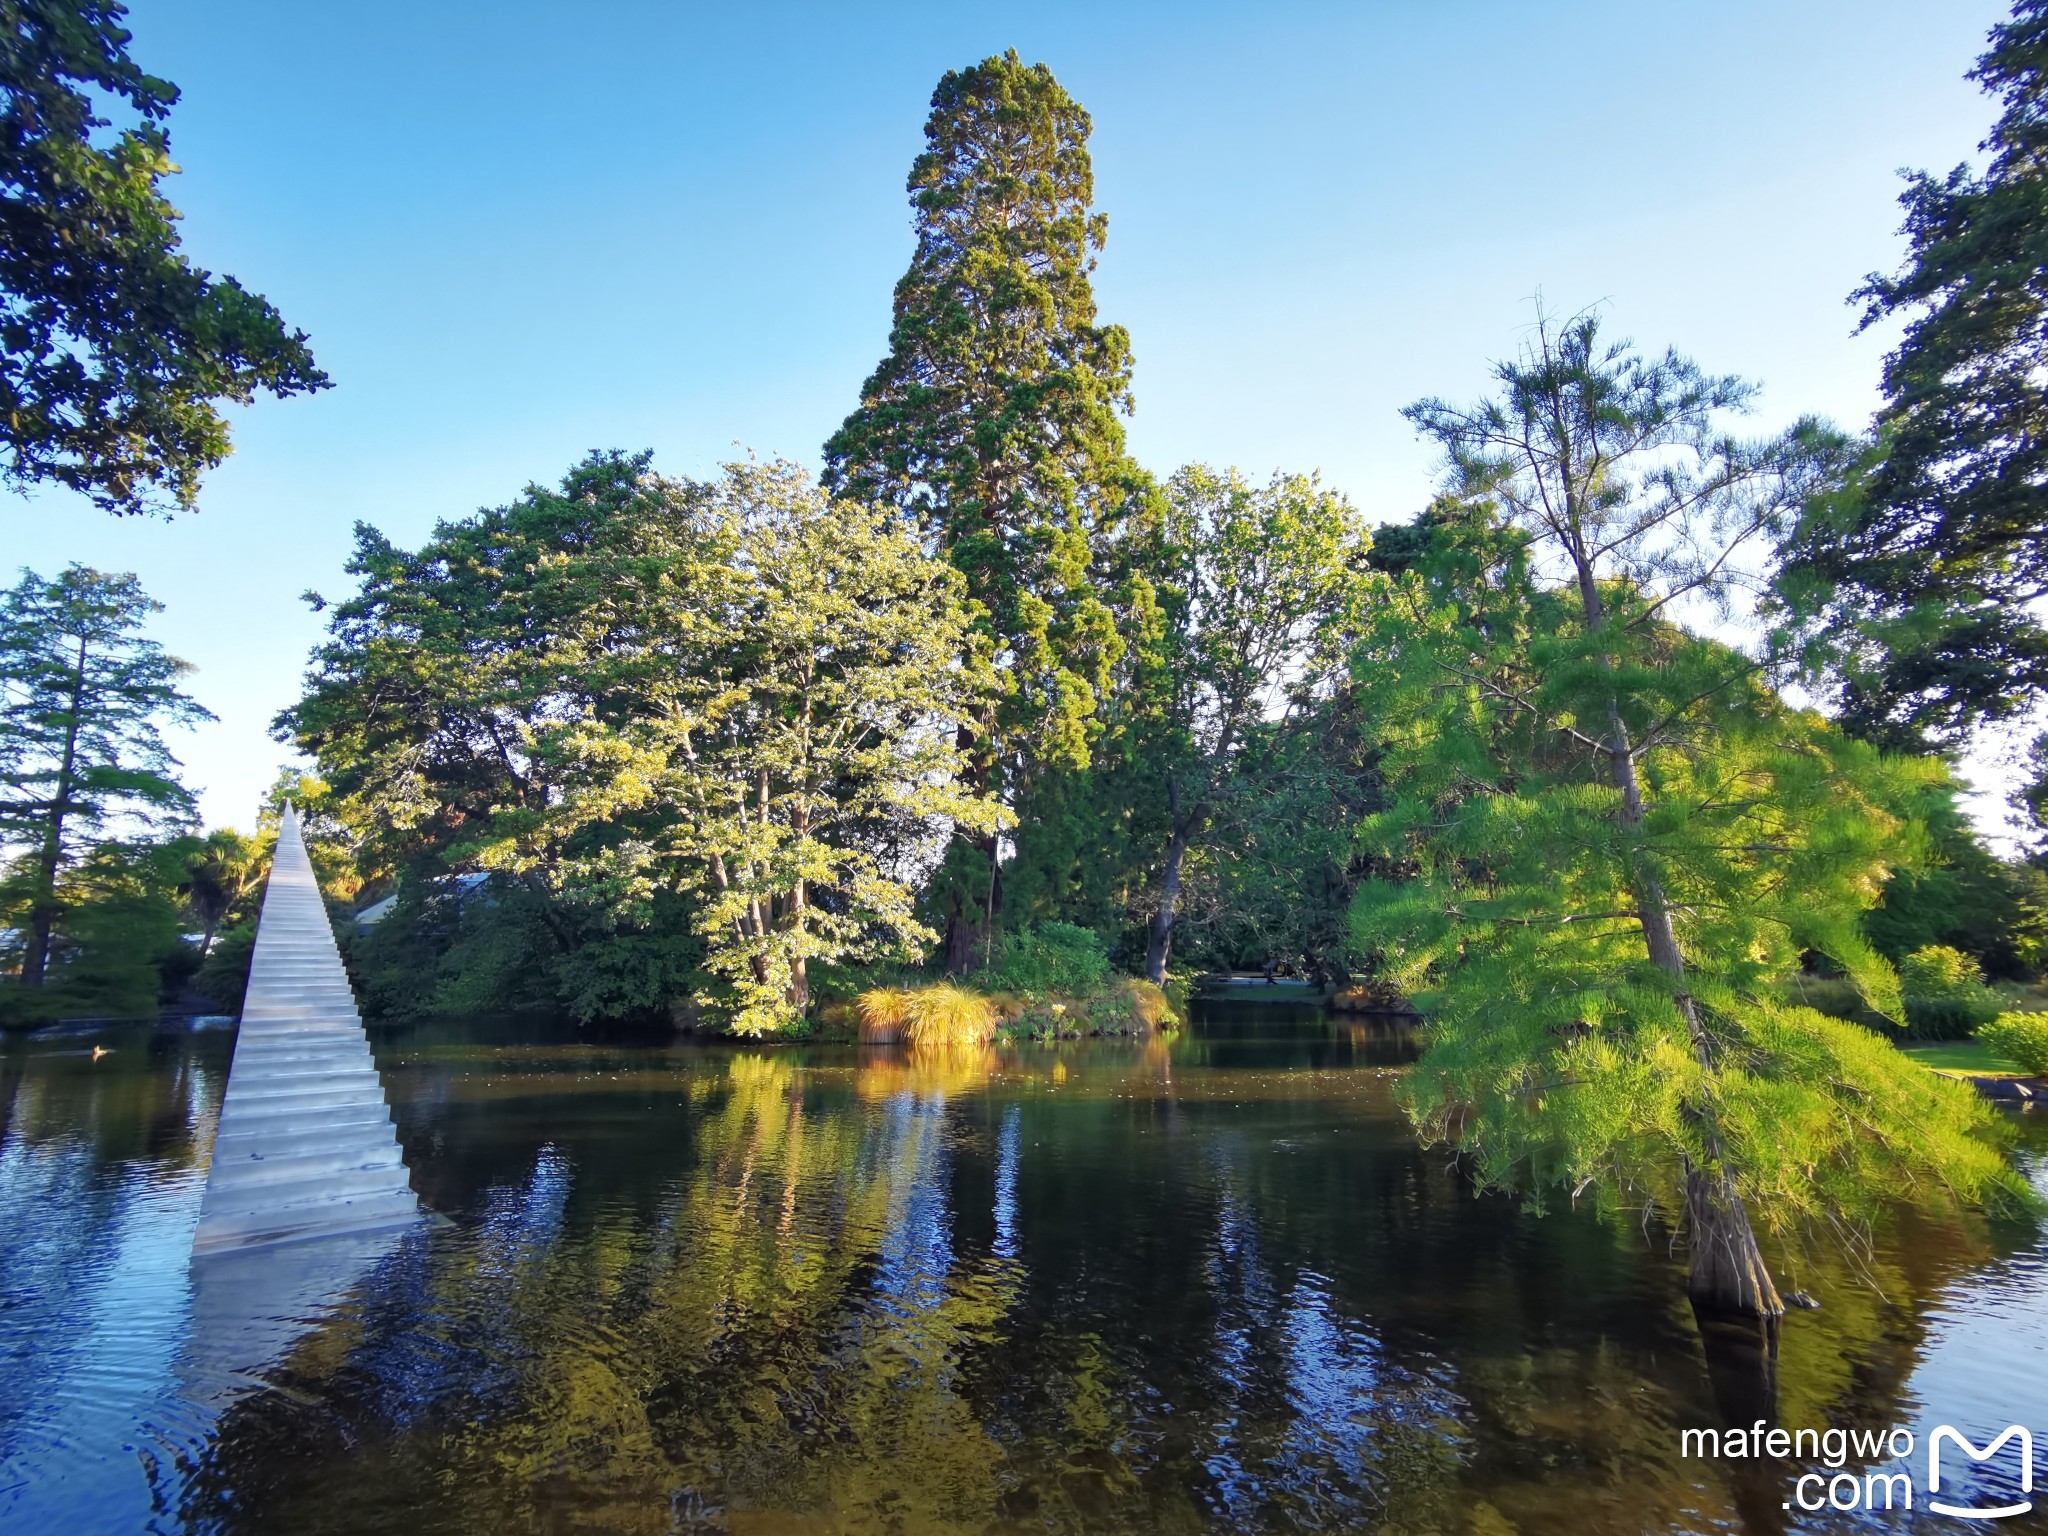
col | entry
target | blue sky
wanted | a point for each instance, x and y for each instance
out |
(519, 231)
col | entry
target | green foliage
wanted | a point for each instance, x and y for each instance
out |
(118, 949)
(693, 731)
(1949, 1018)
(450, 948)
(1047, 957)
(1610, 845)
(1247, 592)
(224, 976)
(1915, 585)
(1945, 995)
(221, 877)
(2021, 1038)
(83, 700)
(1954, 891)
(114, 349)
(994, 424)
(1936, 970)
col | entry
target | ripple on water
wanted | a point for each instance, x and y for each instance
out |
(1111, 1287)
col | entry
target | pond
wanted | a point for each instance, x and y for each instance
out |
(1203, 1283)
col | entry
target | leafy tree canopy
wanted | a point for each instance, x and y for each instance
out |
(994, 423)
(114, 349)
(698, 734)
(1916, 584)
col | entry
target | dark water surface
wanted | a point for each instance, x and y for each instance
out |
(1198, 1285)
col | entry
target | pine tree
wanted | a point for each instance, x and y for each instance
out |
(1920, 581)
(1622, 842)
(993, 423)
(83, 699)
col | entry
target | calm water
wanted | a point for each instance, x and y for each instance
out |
(1201, 1285)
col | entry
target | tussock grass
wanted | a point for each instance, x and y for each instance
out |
(1147, 1002)
(884, 1015)
(950, 1015)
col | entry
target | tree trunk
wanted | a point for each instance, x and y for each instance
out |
(1160, 949)
(1727, 1271)
(969, 922)
(43, 915)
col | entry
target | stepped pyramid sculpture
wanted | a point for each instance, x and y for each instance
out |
(306, 1147)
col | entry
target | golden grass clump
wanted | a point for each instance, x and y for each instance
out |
(1147, 1002)
(950, 1015)
(884, 1015)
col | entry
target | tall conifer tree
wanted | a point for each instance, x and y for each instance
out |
(1931, 563)
(83, 699)
(993, 422)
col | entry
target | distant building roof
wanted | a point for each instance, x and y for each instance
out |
(461, 885)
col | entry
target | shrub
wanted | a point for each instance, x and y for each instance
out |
(1049, 957)
(950, 1015)
(2021, 1038)
(1935, 970)
(1949, 1018)
(884, 1013)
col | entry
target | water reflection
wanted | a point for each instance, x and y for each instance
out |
(1161, 1286)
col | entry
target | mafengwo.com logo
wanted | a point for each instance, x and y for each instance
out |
(1951, 1477)
(2014, 1434)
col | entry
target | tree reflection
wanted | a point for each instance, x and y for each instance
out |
(1061, 1289)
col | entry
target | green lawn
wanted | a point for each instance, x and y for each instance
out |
(1971, 1056)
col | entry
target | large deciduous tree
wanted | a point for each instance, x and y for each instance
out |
(84, 698)
(994, 424)
(1622, 842)
(1921, 581)
(809, 763)
(1253, 587)
(114, 349)
(692, 727)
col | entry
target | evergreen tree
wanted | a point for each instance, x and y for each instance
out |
(1622, 842)
(83, 700)
(114, 349)
(1919, 582)
(993, 423)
